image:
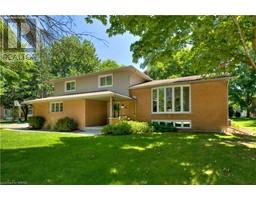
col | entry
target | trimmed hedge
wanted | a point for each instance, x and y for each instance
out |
(36, 122)
(66, 124)
(127, 128)
(163, 127)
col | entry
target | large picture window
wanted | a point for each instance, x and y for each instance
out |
(171, 99)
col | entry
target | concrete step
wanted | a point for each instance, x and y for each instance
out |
(93, 129)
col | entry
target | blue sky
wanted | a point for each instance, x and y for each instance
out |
(118, 47)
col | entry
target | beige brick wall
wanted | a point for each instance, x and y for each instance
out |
(209, 106)
(74, 109)
(96, 113)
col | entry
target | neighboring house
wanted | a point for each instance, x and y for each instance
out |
(5, 113)
(126, 93)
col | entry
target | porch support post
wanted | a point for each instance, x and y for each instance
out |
(111, 107)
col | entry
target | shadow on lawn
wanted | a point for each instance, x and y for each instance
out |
(155, 159)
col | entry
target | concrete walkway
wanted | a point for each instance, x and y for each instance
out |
(14, 125)
(94, 130)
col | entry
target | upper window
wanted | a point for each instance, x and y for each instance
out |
(171, 99)
(106, 80)
(70, 86)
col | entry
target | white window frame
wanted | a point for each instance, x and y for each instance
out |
(174, 121)
(30, 108)
(55, 102)
(173, 98)
(71, 81)
(104, 76)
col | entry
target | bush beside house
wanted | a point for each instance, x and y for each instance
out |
(36, 122)
(163, 127)
(127, 128)
(66, 124)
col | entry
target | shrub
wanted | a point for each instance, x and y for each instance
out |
(169, 127)
(122, 128)
(140, 127)
(66, 124)
(127, 128)
(238, 114)
(36, 122)
(107, 130)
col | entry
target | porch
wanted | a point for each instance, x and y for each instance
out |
(108, 110)
(88, 109)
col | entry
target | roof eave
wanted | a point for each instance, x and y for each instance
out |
(178, 82)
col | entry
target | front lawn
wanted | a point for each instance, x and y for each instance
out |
(246, 123)
(174, 158)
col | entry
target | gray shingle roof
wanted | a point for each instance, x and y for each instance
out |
(178, 80)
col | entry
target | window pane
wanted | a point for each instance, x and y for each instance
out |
(161, 100)
(109, 80)
(68, 86)
(72, 86)
(57, 107)
(170, 124)
(177, 99)
(162, 123)
(52, 108)
(102, 81)
(186, 124)
(178, 124)
(168, 99)
(154, 100)
(61, 107)
(186, 99)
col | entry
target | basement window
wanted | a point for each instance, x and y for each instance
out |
(183, 124)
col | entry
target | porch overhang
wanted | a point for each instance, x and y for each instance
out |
(101, 95)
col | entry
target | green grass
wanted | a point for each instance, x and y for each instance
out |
(246, 123)
(174, 158)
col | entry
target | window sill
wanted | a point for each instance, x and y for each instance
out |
(105, 86)
(67, 91)
(159, 113)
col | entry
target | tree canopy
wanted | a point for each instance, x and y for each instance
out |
(108, 64)
(71, 56)
(191, 44)
(243, 87)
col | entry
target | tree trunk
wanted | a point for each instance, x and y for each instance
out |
(24, 109)
(248, 112)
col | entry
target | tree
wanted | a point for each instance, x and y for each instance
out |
(202, 44)
(70, 56)
(108, 64)
(243, 87)
(17, 83)
(47, 29)
(19, 79)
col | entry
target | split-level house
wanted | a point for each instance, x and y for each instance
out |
(96, 99)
